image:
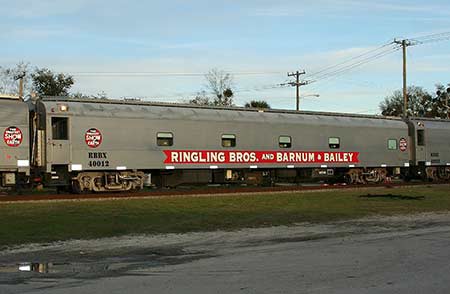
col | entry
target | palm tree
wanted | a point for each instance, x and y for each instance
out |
(257, 104)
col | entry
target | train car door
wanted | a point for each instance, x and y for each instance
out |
(420, 140)
(58, 139)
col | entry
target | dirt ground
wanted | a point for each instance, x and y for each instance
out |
(211, 243)
(115, 256)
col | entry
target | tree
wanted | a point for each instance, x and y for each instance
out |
(46, 83)
(79, 95)
(9, 79)
(257, 104)
(40, 81)
(201, 99)
(420, 103)
(219, 84)
(441, 101)
(218, 91)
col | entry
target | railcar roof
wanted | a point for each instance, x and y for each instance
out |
(133, 102)
(8, 97)
(429, 119)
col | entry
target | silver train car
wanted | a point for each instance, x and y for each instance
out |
(111, 145)
(15, 146)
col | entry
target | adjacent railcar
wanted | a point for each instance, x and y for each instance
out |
(15, 147)
(104, 145)
(431, 147)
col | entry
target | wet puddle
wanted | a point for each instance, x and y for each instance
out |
(109, 266)
(42, 268)
(89, 268)
(50, 268)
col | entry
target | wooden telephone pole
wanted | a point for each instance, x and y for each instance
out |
(20, 77)
(297, 84)
(404, 43)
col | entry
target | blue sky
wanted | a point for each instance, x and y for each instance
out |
(264, 38)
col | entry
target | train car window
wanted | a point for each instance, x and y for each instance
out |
(228, 140)
(334, 143)
(420, 138)
(164, 139)
(285, 142)
(392, 144)
(60, 128)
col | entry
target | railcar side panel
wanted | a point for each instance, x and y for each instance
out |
(432, 140)
(14, 145)
(111, 137)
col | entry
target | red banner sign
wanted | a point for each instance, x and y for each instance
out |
(254, 157)
(13, 136)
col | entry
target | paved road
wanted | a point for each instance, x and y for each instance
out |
(401, 260)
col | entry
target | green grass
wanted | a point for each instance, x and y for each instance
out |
(51, 221)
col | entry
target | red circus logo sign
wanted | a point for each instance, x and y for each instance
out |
(93, 138)
(13, 136)
(403, 144)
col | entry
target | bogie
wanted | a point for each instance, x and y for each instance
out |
(107, 181)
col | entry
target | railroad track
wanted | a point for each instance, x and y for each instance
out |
(209, 191)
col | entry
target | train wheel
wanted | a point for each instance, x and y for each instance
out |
(76, 187)
(376, 175)
(444, 173)
(432, 174)
(354, 176)
(98, 184)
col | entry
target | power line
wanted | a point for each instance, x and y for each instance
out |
(430, 38)
(345, 66)
(162, 74)
(352, 66)
(327, 73)
(371, 55)
(349, 60)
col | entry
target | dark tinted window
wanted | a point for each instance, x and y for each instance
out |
(164, 139)
(284, 142)
(334, 143)
(420, 138)
(60, 128)
(228, 140)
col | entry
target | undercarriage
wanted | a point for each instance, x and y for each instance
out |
(108, 181)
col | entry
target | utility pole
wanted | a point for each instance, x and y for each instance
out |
(297, 84)
(404, 43)
(20, 77)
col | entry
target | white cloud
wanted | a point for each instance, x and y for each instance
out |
(424, 67)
